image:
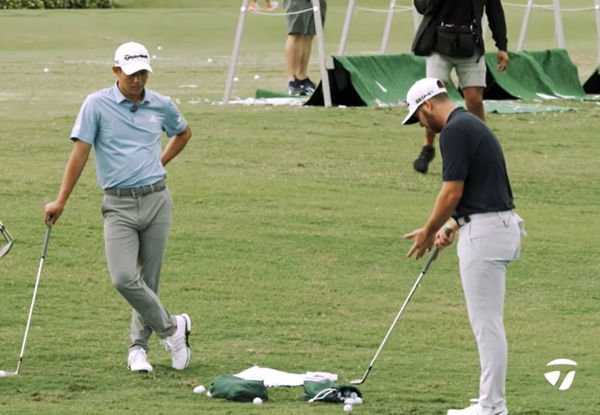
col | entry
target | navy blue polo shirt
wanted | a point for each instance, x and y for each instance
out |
(471, 153)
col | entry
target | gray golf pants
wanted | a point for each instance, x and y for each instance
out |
(136, 230)
(486, 245)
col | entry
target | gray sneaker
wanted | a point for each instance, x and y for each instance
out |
(178, 345)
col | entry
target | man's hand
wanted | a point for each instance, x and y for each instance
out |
(502, 60)
(444, 237)
(52, 212)
(423, 243)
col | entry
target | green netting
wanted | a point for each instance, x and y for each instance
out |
(381, 80)
(385, 79)
(531, 75)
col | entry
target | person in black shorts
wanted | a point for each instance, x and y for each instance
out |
(476, 202)
(301, 31)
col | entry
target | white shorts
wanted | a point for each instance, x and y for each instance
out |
(470, 71)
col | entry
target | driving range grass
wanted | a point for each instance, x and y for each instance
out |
(286, 247)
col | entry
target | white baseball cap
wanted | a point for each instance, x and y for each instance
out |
(132, 57)
(421, 91)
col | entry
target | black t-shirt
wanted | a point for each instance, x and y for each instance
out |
(471, 153)
(456, 12)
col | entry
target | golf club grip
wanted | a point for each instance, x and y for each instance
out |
(46, 241)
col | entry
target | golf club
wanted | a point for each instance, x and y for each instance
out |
(3, 373)
(432, 256)
(9, 240)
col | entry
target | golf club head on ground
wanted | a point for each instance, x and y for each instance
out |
(5, 374)
(9, 240)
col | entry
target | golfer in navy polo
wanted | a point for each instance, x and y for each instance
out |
(124, 125)
(476, 202)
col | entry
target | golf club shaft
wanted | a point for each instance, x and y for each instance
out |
(430, 259)
(35, 289)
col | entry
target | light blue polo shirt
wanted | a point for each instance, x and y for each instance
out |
(127, 143)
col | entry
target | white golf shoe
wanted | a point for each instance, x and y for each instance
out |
(476, 409)
(138, 360)
(178, 345)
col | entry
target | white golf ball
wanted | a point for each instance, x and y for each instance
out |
(209, 394)
(354, 395)
(358, 401)
(46, 70)
(235, 79)
(256, 77)
(159, 48)
(257, 401)
(199, 389)
(209, 60)
(153, 56)
(347, 408)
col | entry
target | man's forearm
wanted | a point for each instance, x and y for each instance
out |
(175, 146)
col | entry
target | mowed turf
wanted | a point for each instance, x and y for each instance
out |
(286, 247)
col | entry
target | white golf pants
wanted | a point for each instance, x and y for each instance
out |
(486, 245)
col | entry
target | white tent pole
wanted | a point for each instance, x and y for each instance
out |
(236, 51)
(416, 19)
(388, 27)
(558, 27)
(597, 11)
(321, 46)
(346, 28)
(524, 26)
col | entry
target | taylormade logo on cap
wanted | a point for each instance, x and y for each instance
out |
(421, 91)
(132, 57)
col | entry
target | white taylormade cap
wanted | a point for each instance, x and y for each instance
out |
(132, 57)
(421, 91)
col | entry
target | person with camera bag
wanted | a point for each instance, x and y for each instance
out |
(451, 37)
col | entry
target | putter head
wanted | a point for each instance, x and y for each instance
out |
(357, 381)
(5, 250)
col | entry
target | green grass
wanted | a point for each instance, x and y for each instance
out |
(286, 247)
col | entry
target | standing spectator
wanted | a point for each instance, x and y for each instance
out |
(301, 31)
(124, 125)
(269, 5)
(440, 19)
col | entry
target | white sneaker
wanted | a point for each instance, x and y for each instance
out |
(178, 345)
(476, 409)
(138, 360)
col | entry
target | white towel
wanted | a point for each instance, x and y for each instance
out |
(273, 377)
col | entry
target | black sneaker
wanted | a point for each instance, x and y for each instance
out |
(307, 86)
(295, 88)
(421, 164)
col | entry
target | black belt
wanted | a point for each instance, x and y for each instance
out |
(137, 191)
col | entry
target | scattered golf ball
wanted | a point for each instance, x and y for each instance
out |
(358, 401)
(354, 395)
(153, 56)
(256, 77)
(257, 401)
(347, 408)
(159, 48)
(235, 79)
(46, 70)
(209, 394)
(199, 389)
(209, 60)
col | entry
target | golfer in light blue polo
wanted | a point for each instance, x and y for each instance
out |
(124, 125)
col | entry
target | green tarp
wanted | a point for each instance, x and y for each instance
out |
(534, 75)
(381, 80)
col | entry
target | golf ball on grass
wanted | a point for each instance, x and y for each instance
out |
(209, 394)
(199, 389)
(257, 401)
(256, 77)
(347, 408)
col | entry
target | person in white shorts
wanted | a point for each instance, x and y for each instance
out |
(476, 202)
